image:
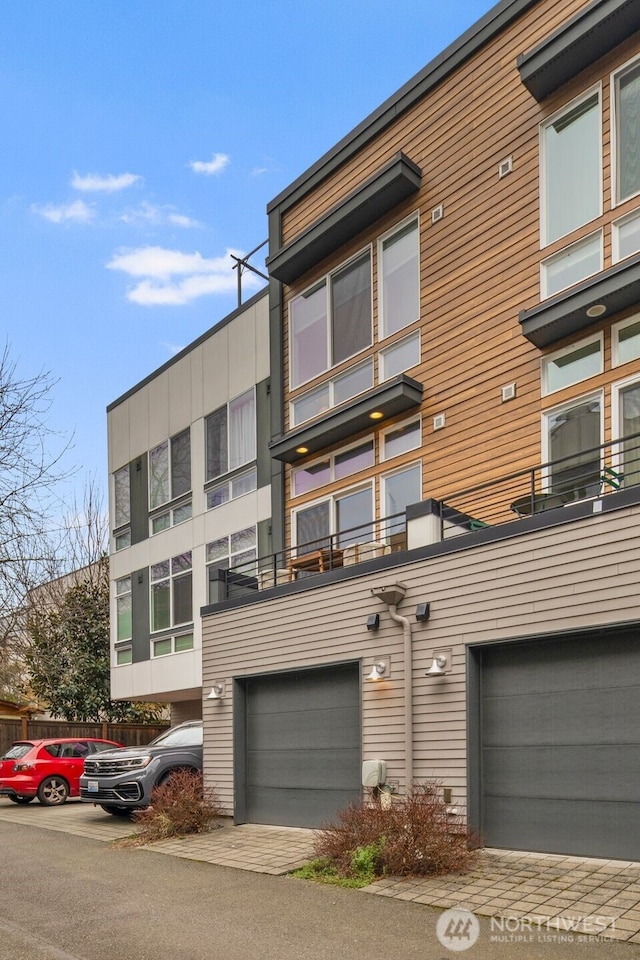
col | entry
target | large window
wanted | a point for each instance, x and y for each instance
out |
(571, 434)
(332, 393)
(400, 278)
(235, 550)
(339, 465)
(627, 131)
(349, 516)
(231, 435)
(627, 397)
(571, 265)
(572, 364)
(170, 469)
(400, 489)
(332, 321)
(171, 600)
(626, 340)
(122, 507)
(123, 609)
(571, 168)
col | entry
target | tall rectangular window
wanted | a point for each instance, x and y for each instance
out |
(629, 427)
(400, 489)
(123, 609)
(231, 435)
(122, 496)
(170, 469)
(627, 129)
(573, 433)
(400, 276)
(571, 168)
(171, 596)
(332, 321)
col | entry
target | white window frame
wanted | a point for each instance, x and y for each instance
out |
(170, 578)
(332, 498)
(230, 484)
(567, 351)
(552, 411)
(126, 662)
(122, 587)
(392, 429)
(219, 479)
(616, 390)
(397, 228)
(547, 122)
(331, 458)
(615, 339)
(168, 444)
(326, 279)
(329, 385)
(616, 74)
(170, 512)
(231, 554)
(382, 354)
(387, 533)
(544, 264)
(172, 640)
(615, 235)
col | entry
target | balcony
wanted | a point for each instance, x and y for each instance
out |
(569, 488)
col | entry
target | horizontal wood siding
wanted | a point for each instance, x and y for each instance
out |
(480, 264)
(578, 575)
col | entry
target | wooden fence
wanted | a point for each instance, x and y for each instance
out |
(129, 734)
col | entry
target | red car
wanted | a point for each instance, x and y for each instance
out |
(47, 769)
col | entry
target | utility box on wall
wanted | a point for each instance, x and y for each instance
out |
(374, 773)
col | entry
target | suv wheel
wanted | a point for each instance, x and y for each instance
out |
(116, 811)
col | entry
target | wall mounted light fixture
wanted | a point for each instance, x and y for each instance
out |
(378, 671)
(440, 665)
(217, 691)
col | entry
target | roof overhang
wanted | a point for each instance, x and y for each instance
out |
(389, 399)
(580, 307)
(382, 192)
(579, 42)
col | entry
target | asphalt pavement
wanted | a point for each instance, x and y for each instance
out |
(70, 897)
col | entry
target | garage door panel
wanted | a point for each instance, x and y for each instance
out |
(302, 745)
(285, 806)
(578, 716)
(598, 829)
(313, 769)
(560, 744)
(297, 730)
(548, 667)
(563, 772)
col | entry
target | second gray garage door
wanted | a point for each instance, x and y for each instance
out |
(560, 745)
(302, 745)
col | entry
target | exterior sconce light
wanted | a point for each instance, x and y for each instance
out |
(439, 667)
(217, 691)
(422, 612)
(378, 671)
(373, 621)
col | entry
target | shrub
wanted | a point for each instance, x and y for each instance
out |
(179, 806)
(414, 836)
(364, 868)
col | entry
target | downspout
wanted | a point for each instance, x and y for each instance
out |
(408, 692)
(392, 594)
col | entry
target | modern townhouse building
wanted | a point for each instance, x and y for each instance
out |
(455, 408)
(190, 494)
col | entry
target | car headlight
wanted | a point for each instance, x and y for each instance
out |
(136, 763)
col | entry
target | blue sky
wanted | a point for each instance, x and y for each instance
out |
(142, 142)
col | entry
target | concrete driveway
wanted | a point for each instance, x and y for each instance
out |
(560, 895)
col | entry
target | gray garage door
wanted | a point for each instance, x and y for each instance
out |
(303, 755)
(560, 745)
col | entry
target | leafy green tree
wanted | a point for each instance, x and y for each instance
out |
(68, 656)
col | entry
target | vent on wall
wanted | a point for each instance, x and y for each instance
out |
(438, 421)
(505, 167)
(437, 213)
(508, 392)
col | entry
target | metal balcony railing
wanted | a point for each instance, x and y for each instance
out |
(593, 472)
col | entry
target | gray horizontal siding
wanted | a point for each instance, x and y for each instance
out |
(582, 574)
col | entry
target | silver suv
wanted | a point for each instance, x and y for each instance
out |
(123, 780)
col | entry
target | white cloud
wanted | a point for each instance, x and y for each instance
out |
(107, 183)
(173, 278)
(148, 213)
(77, 211)
(217, 164)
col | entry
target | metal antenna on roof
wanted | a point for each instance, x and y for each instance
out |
(242, 264)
